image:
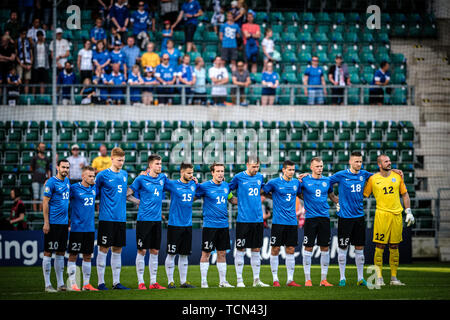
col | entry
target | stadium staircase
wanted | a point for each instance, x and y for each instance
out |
(429, 72)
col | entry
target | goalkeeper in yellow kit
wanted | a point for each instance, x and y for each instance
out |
(387, 187)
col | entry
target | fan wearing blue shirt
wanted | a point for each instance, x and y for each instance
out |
(119, 16)
(101, 57)
(97, 33)
(56, 218)
(228, 34)
(131, 52)
(82, 227)
(190, 11)
(116, 78)
(134, 78)
(117, 56)
(315, 190)
(216, 234)
(150, 188)
(249, 223)
(314, 75)
(66, 77)
(284, 222)
(179, 230)
(142, 19)
(270, 80)
(381, 78)
(111, 188)
(186, 76)
(101, 78)
(166, 75)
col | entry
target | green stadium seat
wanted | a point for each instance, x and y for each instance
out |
(336, 37)
(132, 135)
(407, 155)
(82, 134)
(327, 156)
(344, 134)
(392, 154)
(305, 37)
(320, 37)
(399, 30)
(327, 135)
(351, 37)
(291, 16)
(115, 134)
(98, 135)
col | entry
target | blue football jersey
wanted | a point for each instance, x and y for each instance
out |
(181, 199)
(58, 207)
(249, 196)
(82, 208)
(315, 195)
(215, 203)
(111, 187)
(151, 194)
(351, 189)
(284, 194)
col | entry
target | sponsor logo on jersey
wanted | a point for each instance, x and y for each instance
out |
(393, 180)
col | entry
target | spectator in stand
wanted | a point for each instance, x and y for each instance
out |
(167, 34)
(117, 56)
(142, 20)
(186, 76)
(150, 58)
(66, 77)
(26, 11)
(7, 56)
(62, 50)
(314, 75)
(12, 26)
(101, 78)
(240, 78)
(103, 161)
(101, 58)
(338, 76)
(381, 78)
(218, 17)
(239, 10)
(32, 33)
(103, 7)
(169, 10)
(88, 93)
(270, 82)
(113, 38)
(200, 82)
(77, 163)
(24, 58)
(116, 78)
(252, 33)
(41, 64)
(13, 80)
(84, 61)
(229, 31)
(150, 81)
(135, 79)
(219, 77)
(45, 12)
(166, 75)
(132, 53)
(119, 17)
(40, 172)
(190, 11)
(17, 216)
(98, 34)
(173, 53)
(268, 47)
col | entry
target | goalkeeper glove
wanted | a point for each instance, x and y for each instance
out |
(409, 217)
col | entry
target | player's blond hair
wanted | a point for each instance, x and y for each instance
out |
(117, 152)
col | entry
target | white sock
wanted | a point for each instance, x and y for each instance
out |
(222, 267)
(153, 267)
(183, 267)
(307, 264)
(359, 260)
(204, 271)
(274, 261)
(324, 262)
(47, 269)
(101, 265)
(72, 270)
(290, 266)
(342, 259)
(59, 269)
(255, 262)
(86, 267)
(140, 267)
(170, 267)
(116, 266)
(239, 264)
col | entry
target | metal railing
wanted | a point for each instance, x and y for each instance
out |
(286, 94)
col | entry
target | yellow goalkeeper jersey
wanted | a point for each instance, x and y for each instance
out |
(387, 191)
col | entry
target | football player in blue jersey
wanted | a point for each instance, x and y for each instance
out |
(150, 188)
(56, 219)
(284, 222)
(82, 227)
(111, 188)
(216, 234)
(249, 223)
(315, 190)
(179, 230)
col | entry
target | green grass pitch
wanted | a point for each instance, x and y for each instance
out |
(423, 281)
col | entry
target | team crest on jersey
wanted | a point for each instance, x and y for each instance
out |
(192, 188)
(295, 188)
(124, 179)
(93, 192)
(47, 189)
(324, 184)
(361, 178)
(393, 180)
(68, 186)
(225, 190)
(259, 182)
(161, 182)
